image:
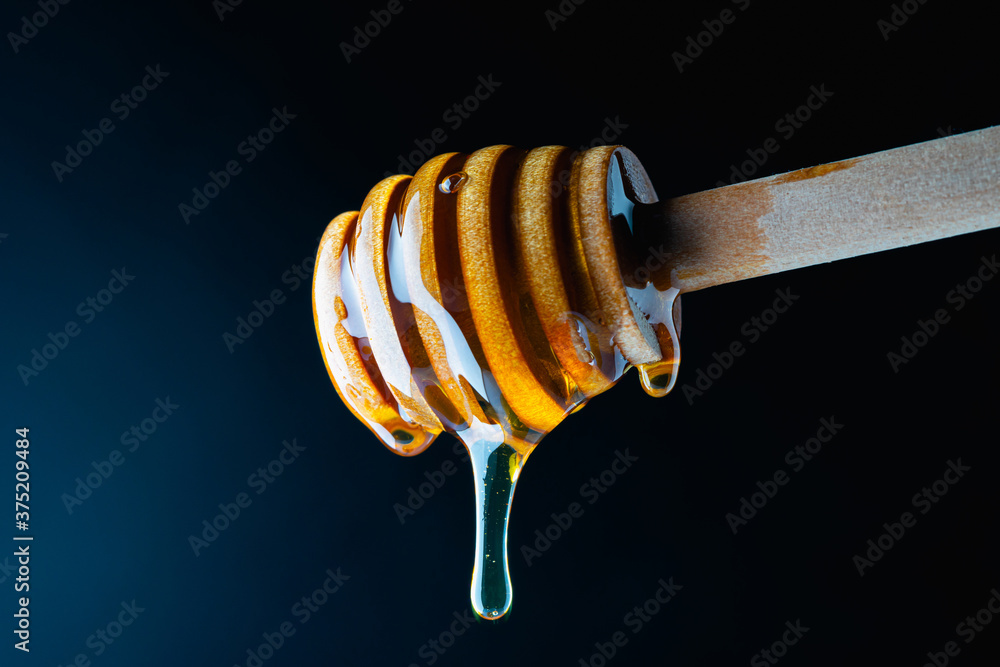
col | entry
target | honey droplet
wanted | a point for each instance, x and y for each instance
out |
(659, 377)
(496, 466)
(452, 184)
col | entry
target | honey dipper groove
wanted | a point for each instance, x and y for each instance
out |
(498, 299)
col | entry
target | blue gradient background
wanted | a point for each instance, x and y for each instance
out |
(333, 508)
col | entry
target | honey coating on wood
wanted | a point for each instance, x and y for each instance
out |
(495, 294)
(499, 298)
(437, 267)
(542, 233)
(814, 172)
(347, 352)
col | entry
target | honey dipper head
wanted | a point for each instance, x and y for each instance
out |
(497, 290)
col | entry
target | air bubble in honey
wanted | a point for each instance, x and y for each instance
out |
(452, 184)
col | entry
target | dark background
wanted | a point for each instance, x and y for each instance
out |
(333, 507)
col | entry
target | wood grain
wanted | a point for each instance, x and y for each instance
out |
(862, 205)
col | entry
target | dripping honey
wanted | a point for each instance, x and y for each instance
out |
(466, 299)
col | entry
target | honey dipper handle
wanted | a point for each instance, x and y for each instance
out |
(880, 201)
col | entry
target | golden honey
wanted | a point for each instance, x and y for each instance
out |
(483, 298)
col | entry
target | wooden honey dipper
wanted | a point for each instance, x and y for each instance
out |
(492, 294)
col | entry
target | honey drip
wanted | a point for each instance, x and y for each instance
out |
(485, 297)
